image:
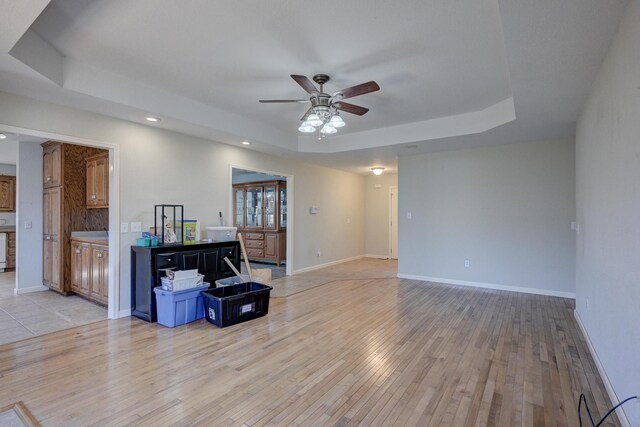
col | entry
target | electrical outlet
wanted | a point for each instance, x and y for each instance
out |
(348, 220)
(124, 227)
(319, 253)
(28, 224)
(466, 263)
(408, 215)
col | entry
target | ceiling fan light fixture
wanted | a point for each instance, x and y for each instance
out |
(328, 129)
(336, 121)
(314, 120)
(377, 170)
(306, 128)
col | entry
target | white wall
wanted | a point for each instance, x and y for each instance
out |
(608, 211)
(8, 217)
(377, 213)
(29, 240)
(507, 209)
(158, 167)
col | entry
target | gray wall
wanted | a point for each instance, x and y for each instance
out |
(608, 208)
(507, 209)
(377, 213)
(29, 259)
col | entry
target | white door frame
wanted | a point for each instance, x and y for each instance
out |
(113, 308)
(290, 192)
(391, 188)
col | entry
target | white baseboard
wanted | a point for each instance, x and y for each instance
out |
(490, 286)
(124, 313)
(603, 374)
(376, 256)
(327, 264)
(37, 288)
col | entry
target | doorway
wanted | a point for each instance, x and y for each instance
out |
(261, 210)
(393, 222)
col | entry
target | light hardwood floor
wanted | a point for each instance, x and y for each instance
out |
(352, 352)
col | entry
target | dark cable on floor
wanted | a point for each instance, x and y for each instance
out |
(593, 424)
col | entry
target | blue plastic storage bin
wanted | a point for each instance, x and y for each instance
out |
(180, 307)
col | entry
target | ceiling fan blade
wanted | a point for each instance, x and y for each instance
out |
(360, 89)
(351, 108)
(305, 83)
(274, 101)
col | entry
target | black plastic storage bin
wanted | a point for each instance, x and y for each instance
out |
(228, 305)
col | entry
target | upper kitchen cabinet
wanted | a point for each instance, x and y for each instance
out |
(7, 193)
(98, 181)
(52, 164)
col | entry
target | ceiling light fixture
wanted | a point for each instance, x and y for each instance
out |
(152, 119)
(246, 143)
(377, 170)
(3, 136)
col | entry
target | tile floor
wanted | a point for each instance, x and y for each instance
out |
(38, 313)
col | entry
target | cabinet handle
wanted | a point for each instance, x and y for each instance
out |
(93, 196)
(47, 238)
(77, 251)
(99, 255)
(168, 259)
(48, 178)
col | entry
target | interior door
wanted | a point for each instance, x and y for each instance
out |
(393, 223)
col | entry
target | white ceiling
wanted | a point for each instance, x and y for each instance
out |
(452, 74)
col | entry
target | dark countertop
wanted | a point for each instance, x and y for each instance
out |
(7, 228)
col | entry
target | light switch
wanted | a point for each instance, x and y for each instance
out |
(28, 224)
(124, 227)
(136, 227)
(408, 215)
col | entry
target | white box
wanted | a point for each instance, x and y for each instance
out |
(221, 234)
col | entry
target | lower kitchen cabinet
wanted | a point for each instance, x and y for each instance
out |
(149, 265)
(90, 270)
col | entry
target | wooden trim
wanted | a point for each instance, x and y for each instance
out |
(23, 413)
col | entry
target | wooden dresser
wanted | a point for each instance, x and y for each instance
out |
(260, 213)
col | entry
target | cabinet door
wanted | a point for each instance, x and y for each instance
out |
(210, 259)
(92, 196)
(51, 264)
(238, 207)
(97, 272)
(76, 267)
(104, 275)
(271, 245)
(189, 260)
(282, 210)
(7, 194)
(52, 165)
(270, 206)
(101, 183)
(231, 252)
(253, 207)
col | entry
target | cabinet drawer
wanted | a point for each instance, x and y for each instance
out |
(167, 260)
(254, 252)
(11, 252)
(254, 236)
(11, 240)
(258, 244)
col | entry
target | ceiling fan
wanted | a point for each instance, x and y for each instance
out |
(323, 115)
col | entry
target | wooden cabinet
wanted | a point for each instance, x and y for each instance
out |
(260, 213)
(52, 164)
(98, 181)
(11, 250)
(90, 270)
(149, 265)
(65, 210)
(7, 193)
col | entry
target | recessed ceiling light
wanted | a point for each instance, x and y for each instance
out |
(246, 143)
(3, 136)
(152, 119)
